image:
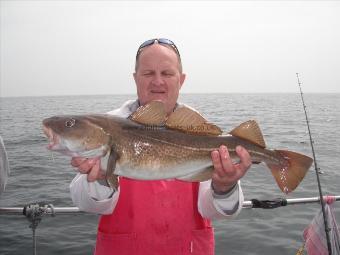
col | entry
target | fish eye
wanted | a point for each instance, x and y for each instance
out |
(70, 123)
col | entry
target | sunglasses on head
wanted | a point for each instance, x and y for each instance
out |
(160, 41)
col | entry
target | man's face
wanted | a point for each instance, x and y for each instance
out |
(158, 76)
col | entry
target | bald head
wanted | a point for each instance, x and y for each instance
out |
(159, 49)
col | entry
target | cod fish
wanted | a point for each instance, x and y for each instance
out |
(149, 145)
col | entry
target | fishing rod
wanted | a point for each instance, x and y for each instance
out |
(327, 229)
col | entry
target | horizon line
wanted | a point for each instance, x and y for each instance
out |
(183, 93)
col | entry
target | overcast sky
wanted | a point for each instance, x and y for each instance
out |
(89, 47)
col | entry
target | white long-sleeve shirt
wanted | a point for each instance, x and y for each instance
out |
(96, 198)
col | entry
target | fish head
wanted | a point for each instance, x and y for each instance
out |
(76, 136)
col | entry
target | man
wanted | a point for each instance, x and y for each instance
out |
(166, 216)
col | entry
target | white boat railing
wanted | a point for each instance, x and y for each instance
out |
(48, 210)
(254, 203)
(271, 204)
(35, 211)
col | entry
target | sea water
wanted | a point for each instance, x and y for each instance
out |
(36, 176)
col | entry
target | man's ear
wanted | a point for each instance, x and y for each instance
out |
(134, 76)
(182, 79)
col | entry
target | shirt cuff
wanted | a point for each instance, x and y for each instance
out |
(224, 194)
(229, 203)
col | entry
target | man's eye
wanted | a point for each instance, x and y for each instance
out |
(168, 74)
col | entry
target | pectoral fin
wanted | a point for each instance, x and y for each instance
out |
(111, 178)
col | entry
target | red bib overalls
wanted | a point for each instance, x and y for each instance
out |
(155, 217)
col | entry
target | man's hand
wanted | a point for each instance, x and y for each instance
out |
(91, 167)
(226, 173)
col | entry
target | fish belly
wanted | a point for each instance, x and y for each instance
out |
(158, 171)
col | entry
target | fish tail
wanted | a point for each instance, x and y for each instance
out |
(291, 170)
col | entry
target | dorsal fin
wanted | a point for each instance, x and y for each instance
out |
(187, 120)
(152, 113)
(249, 131)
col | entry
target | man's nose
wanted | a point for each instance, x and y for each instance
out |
(157, 79)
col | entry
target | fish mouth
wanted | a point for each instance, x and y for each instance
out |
(52, 138)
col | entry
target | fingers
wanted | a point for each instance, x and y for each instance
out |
(226, 173)
(95, 172)
(215, 156)
(245, 159)
(91, 167)
(221, 161)
(226, 162)
(76, 161)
